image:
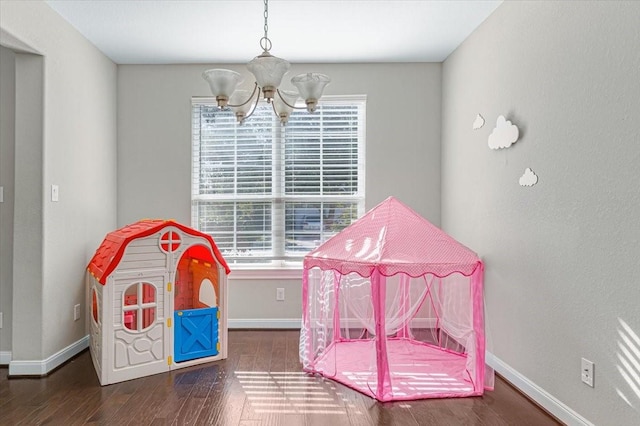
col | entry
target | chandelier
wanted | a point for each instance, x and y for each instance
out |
(268, 71)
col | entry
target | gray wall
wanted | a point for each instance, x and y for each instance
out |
(7, 145)
(154, 149)
(562, 276)
(76, 122)
(28, 283)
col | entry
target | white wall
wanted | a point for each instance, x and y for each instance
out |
(154, 149)
(7, 144)
(562, 276)
(78, 153)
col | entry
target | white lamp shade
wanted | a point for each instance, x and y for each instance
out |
(240, 97)
(268, 70)
(222, 82)
(311, 85)
(290, 97)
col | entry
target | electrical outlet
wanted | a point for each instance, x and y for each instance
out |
(587, 372)
(76, 312)
(279, 294)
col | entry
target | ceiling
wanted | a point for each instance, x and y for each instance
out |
(302, 31)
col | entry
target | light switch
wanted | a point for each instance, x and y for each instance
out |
(54, 193)
(1, 194)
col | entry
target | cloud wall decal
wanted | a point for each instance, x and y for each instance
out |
(504, 134)
(478, 122)
(529, 178)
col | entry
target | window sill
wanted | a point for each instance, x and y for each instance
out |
(265, 273)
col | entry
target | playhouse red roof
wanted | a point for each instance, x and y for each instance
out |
(110, 252)
(392, 238)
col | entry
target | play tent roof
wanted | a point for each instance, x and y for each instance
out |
(393, 238)
(108, 255)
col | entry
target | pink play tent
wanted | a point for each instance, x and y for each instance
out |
(393, 307)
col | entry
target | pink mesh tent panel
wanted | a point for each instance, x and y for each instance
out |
(393, 307)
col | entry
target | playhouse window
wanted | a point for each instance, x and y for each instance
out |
(170, 242)
(139, 306)
(269, 193)
(94, 306)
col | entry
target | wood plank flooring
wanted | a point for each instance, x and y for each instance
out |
(261, 383)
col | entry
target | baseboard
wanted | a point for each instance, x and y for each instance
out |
(536, 393)
(240, 323)
(5, 357)
(43, 367)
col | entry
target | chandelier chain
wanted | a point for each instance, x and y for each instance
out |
(266, 16)
(265, 43)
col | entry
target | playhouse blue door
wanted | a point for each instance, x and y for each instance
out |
(196, 334)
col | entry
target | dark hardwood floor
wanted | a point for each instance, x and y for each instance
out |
(247, 389)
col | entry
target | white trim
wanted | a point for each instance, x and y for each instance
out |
(40, 368)
(536, 393)
(292, 323)
(5, 357)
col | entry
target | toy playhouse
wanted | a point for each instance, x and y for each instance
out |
(158, 294)
(393, 307)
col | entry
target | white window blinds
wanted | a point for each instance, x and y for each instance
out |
(268, 193)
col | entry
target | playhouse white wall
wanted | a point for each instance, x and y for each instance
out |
(136, 354)
(95, 327)
(120, 354)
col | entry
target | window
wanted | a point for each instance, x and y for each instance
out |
(268, 194)
(139, 306)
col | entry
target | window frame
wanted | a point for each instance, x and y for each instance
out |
(140, 307)
(281, 266)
